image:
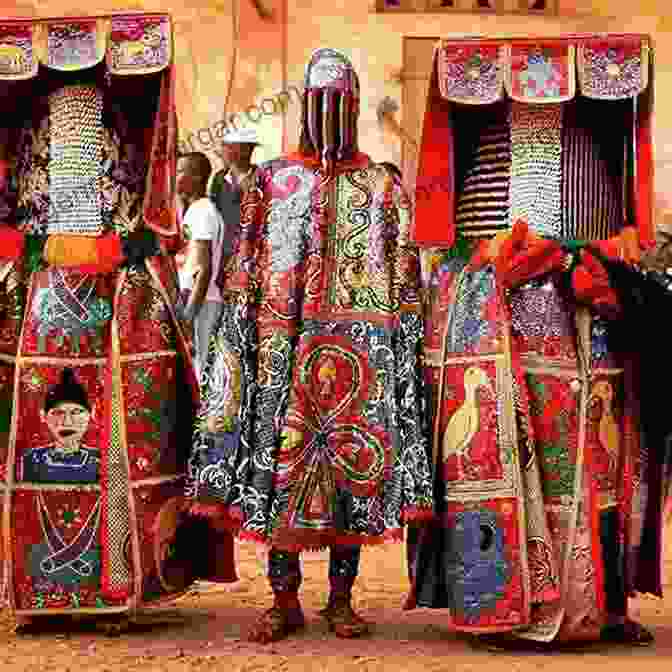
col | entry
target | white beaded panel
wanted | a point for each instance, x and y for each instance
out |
(76, 158)
(536, 170)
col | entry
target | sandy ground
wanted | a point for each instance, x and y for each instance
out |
(207, 632)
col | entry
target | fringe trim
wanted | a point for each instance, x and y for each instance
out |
(417, 514)
(222, 518)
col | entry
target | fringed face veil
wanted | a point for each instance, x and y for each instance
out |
(330, 109)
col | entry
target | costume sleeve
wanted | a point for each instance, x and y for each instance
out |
(413, 459)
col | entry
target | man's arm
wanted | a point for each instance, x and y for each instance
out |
(202, 266)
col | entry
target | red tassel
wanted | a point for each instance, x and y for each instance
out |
(12, 243)
(109, 252)
(590, 282)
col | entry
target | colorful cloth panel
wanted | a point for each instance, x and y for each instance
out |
(87, 437)
(57, 564)
(611, 69)
(472, 74)
(533, 411)
(541, 73)
(139, 44)
(483, 151)
(17, 56)
(73, 44)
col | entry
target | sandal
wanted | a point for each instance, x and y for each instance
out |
(275, 624)
(344, 622)
(629, 633)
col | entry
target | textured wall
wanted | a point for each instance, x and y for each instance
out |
(204, 53)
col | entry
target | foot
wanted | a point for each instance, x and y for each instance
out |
(629, 632)
(24, 625)
(276, 624)
(113, 626)
(343, 621)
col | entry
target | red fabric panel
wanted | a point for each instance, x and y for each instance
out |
(434, 222)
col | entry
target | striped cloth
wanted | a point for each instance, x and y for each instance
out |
(593, 149)
(483, 199)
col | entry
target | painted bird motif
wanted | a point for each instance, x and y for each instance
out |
(608, 431)
(463, 425)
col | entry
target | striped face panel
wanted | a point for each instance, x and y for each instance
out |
(594, 147)
(559, 167)
(483, 143)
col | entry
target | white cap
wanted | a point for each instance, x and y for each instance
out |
(237, 136)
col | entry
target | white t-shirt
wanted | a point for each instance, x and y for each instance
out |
(202, 221)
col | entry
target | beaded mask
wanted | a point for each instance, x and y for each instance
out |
(76, 160)
(330, 108)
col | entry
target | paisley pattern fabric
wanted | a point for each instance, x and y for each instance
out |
(322, 436)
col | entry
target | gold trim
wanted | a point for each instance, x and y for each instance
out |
(118, 393)
(61, 612)
(46, 487)
(156, 480)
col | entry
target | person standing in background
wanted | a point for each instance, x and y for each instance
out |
(203, 228)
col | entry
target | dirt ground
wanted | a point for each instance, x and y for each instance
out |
(206, 631)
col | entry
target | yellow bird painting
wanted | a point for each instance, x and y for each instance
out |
(608, 432)
(464, 424)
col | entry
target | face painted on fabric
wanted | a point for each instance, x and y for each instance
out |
(67, 422)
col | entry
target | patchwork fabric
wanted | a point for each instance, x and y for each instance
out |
(58, 564)
(613, 69)
(145, 323)
(139, 45)
(68, 314)
(541, 74)
(471, 74)
(17, 55)
(72, 45)
(572, 454)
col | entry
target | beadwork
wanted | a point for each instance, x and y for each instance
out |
(614, 71)
(471, 74)
(76, 153)
(536, 166)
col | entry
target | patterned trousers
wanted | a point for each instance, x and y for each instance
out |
(284, 569)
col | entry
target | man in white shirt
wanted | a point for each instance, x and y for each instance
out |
(203, 228)
(237, 175)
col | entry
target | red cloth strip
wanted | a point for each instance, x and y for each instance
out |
(434, 221)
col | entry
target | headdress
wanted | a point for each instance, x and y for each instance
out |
(330, 108)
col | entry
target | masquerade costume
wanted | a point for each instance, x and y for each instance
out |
(325, 446)
(545, 490)
(92, 355)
